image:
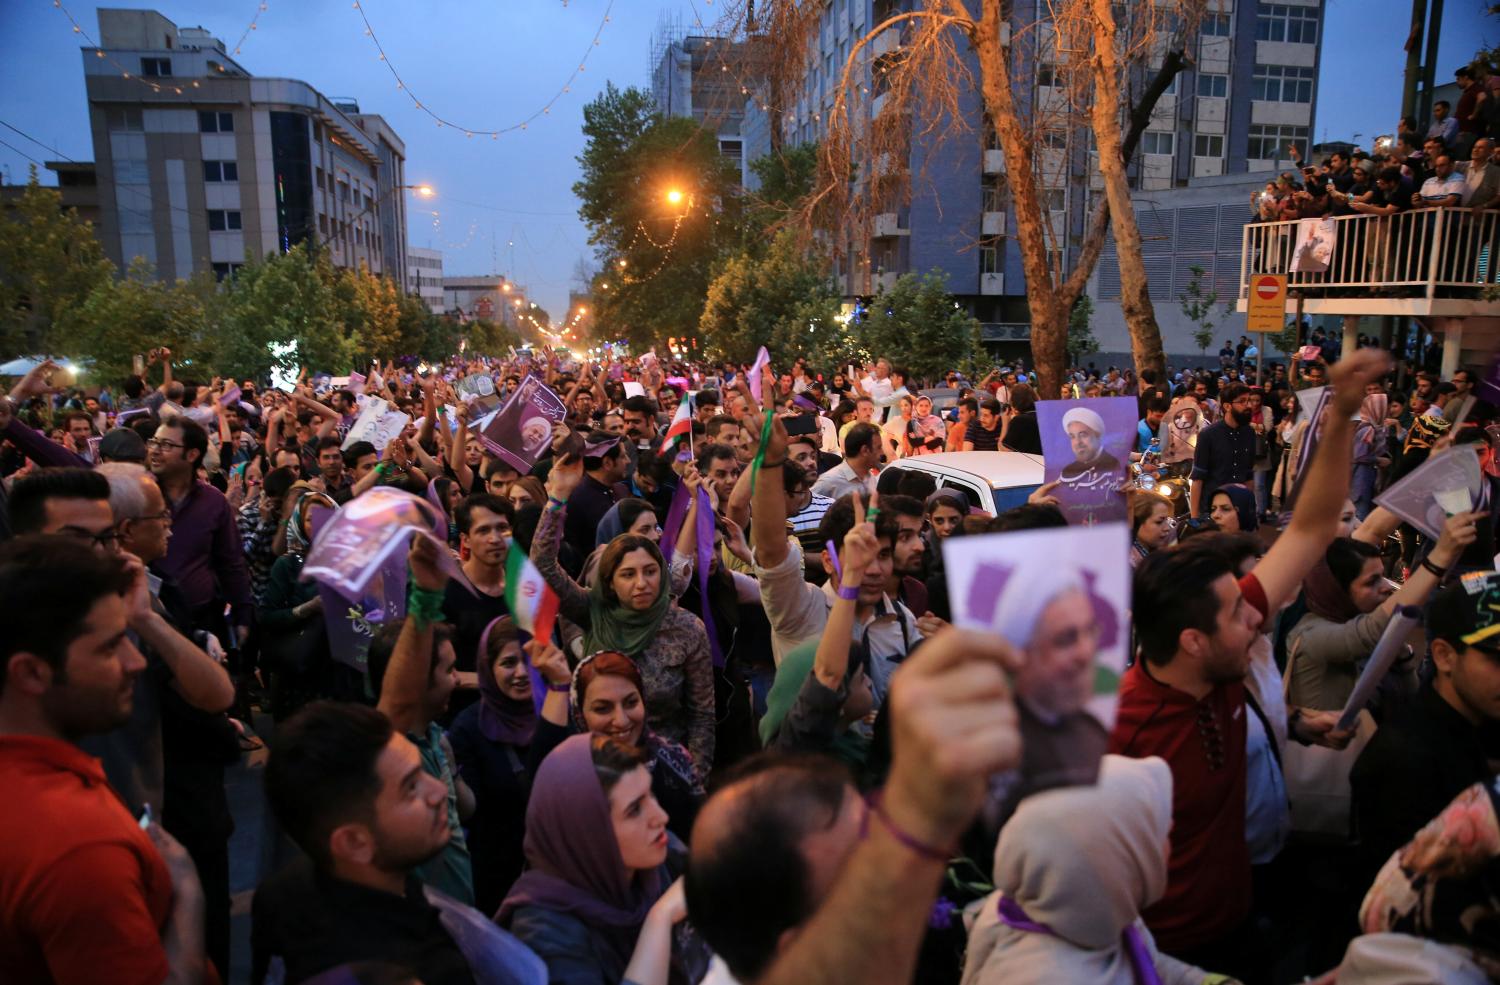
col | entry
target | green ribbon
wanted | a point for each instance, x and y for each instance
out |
(423, 606)
(760, 453)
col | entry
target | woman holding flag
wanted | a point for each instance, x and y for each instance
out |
(630, 610)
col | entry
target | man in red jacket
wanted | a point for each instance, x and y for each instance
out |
(1184, 698)
(85, 893)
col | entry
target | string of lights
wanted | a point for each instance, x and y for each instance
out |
(146, 81)
(493, 134)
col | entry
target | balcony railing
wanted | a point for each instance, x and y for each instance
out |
(1424, 253)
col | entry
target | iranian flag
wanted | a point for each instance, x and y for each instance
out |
(532, 603)
(681, 428)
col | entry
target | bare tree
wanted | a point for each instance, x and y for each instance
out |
(1094, 54)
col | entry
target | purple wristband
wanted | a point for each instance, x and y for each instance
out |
(874, 801)
(849, 593)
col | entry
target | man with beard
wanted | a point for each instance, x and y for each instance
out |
(1225, 454)
(484, 525)
(1184, 699)
(353, 793)
(84, 891)
(411, 667)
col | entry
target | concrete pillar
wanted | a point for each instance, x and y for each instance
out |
(1453, 343)
(1351, 334)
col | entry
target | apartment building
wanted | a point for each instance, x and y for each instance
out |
(424, 277)
(200, 164)
(1250, 91)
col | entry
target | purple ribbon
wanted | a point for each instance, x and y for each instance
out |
(704, 528)
(1141, 963)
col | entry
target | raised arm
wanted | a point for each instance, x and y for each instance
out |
(573, 598)
(411, 662)
(768, 503)
(1315, 521)
(458, 458)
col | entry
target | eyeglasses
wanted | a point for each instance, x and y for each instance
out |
(165, 516)
(106, 541)
(158, 443)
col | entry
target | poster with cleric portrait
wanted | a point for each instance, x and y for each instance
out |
(1058, 594)
(1086, 447)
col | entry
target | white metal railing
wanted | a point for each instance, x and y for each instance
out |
(1424, 252)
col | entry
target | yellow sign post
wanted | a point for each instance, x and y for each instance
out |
(1267, 308)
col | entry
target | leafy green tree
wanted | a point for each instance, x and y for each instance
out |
(1198, 300)
(786, 178)
(50, 262)
(1081, 339)
(917, 323)
(291, 296)
(663, 208)
(782, 300)
(127, 317)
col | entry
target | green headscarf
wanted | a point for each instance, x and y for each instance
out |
(796, 666)
(614, 626)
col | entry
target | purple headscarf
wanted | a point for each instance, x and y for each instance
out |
(502, 718)
(573, 861)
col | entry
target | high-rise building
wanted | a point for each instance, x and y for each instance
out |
(1249, 91)
(200, 164)
(706, 78)
(424, 277)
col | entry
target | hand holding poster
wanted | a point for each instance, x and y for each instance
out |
(1055, 582)
(1449, 482)
(352, 547)
(1086, 445)
(520, 432)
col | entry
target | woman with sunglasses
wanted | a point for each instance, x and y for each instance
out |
(629, 609)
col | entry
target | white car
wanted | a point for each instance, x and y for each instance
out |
(993, 481)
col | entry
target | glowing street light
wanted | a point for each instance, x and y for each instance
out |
(423, 191)
(674, 197)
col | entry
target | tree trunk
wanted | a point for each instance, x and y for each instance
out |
(1135, 299)
(1049, 313)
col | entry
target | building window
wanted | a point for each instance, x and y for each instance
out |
(221, 220)
(1054, 139)
(226, 270)
(156, 67)
(1155, 142)
(211, 122)
(221, 171)
(1046, 75)
(990, 259)
(1282, 84)
(1215, 26)
(1208, 145)
(1267, 141)
(993, 189)
(1213, 86)
(1284, 22)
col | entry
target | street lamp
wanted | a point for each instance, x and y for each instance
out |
(674, 197)
(425, 191)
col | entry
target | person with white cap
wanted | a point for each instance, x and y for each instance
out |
(1045, 610)
(1094, 478)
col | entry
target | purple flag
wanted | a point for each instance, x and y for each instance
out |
(367, 538)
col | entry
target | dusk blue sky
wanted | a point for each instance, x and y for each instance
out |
(490, 64)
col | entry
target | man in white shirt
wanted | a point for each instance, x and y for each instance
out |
(1445, 189)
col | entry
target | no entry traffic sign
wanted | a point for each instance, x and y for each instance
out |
(1267, 305)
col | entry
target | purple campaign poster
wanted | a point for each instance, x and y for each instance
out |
(1086, 446)
(358, 543)
(522, 430)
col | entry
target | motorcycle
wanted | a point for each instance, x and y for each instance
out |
(1169, 481)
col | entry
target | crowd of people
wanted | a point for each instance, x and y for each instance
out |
(752, 748)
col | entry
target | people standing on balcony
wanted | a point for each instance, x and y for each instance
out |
(1481, 177)
(1471, 109)
(1444, 126)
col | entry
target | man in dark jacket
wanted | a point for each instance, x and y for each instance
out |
(1430, 750)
